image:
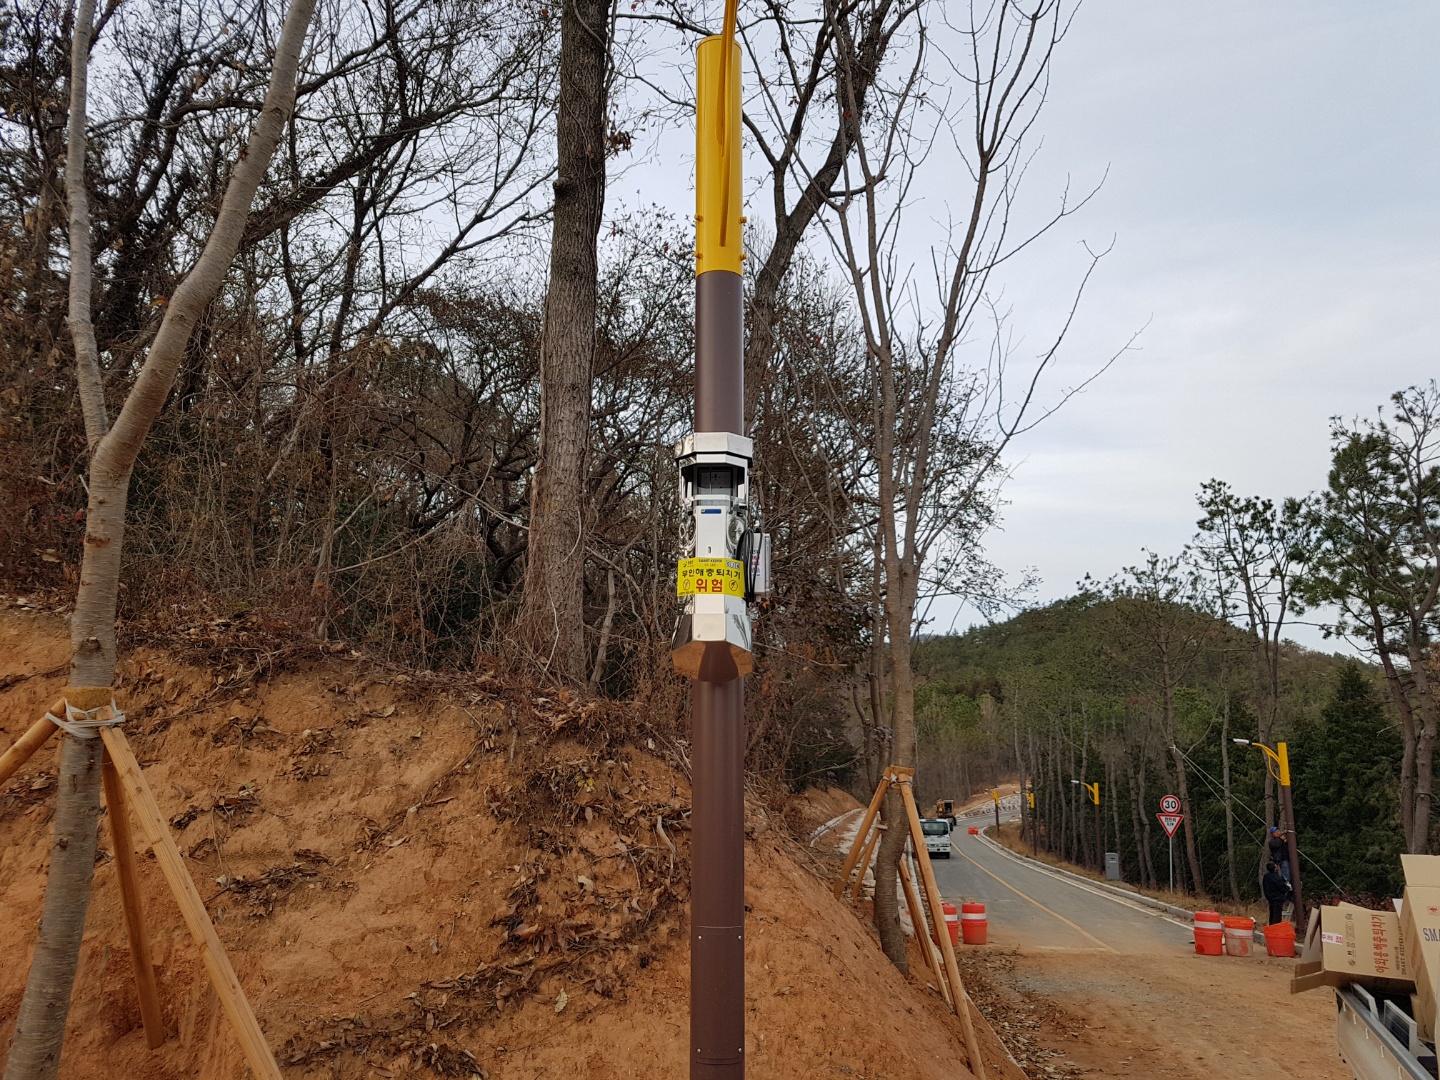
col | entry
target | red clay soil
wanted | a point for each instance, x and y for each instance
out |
(416, 882)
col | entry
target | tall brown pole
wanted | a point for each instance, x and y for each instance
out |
(1287, 825)
(717, 882)
(717, 839)
(1099, 845)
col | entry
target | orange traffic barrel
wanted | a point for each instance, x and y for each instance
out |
(973, 925)
(952, 922)
(1280, 939)
(1209, 933)
(974, 831)
(1239, 932)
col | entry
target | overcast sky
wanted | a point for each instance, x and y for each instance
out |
(1272, 192)
(1271, 195)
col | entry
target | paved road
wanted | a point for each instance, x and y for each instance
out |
(1036, 910)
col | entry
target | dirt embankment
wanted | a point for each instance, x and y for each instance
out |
(413, 881)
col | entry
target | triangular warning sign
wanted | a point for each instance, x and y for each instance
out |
(1170, 822)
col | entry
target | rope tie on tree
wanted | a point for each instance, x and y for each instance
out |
(87, 710)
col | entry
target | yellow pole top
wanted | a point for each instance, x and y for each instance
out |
(1282, 757)
(1272, 761)
(717, 150)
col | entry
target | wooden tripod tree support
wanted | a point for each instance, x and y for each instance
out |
(126, 789)
(948, 971)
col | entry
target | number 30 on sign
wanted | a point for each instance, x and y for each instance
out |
(710, 577)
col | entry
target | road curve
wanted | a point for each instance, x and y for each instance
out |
(1033, 909)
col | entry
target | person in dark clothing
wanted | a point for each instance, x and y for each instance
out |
(1280, 852)
(1276, 890)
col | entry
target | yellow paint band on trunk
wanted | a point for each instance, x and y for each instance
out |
(88, 697)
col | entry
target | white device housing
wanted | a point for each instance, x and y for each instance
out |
(714, 474)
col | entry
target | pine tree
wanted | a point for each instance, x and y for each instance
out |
(1346, 799)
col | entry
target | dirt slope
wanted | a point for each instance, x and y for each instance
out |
(421, 880)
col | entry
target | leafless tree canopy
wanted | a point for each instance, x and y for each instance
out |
(350, 444)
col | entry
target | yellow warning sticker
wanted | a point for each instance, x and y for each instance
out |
(710, 577)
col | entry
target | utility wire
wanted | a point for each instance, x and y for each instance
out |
(1219, 790)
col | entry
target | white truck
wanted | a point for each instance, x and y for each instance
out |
(937, 836)
(1378, 1038)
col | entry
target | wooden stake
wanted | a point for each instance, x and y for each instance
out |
(861, 833)
(192, 907)
(25, 746)
(864, 865)
(124, 845)
(937, 916)
(917, 917)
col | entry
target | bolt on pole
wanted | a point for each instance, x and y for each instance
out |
(724, 565)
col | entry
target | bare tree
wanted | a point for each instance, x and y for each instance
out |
(939, 424)
(1253, 549)
(552, 622)
(40, 1029)
(1162, 613)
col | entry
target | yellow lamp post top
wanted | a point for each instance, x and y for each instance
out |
(717, 150)
(1277, 760)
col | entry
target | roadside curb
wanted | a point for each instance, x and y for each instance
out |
(836, 820)
(1124, 894)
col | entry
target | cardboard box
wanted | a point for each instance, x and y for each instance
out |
(1350, 944)
(1420, 925)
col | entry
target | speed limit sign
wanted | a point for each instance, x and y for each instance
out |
(1169, 805)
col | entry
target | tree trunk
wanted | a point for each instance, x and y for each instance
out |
(1424, 752)
(82, 329)
(1408, 740)
(1143, 864)
(892, 845)
(1112, 781)
(598, 672)
(552, 620)
(1082, 774)
(1229, 809)
(35, 1050)
(39, 1038)
(1147, 853)
(887, 864)
(1191, 854)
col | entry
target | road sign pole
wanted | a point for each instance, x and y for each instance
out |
(1170, 819)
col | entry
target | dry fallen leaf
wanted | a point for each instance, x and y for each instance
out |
(562, 1001)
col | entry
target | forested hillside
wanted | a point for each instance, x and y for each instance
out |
(1078, 690)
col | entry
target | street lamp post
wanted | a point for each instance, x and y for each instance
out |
(1278, 762)
(1092, 794)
